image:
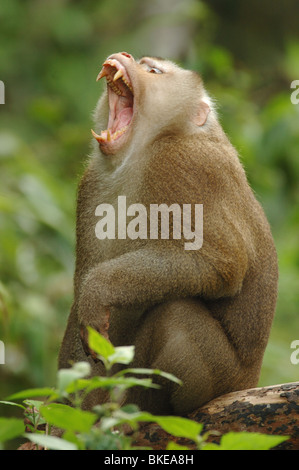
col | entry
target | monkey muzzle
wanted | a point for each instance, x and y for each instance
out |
(120, 97)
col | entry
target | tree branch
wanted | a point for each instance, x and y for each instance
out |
(269, 410)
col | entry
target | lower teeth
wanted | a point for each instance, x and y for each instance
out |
(115, 135)
(109, 135)
(119, 132)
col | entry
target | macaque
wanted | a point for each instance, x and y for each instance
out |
(202, 312)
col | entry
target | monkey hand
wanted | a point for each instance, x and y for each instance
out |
(100, 324)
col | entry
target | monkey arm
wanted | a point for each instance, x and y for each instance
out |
(147, 276)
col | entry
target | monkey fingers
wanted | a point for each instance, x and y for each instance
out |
(102, 327)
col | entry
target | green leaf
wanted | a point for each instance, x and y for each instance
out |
(82, 368)
(70, 436)
(99, 344)
(81, 384)
(32, 392)
(249, 441)
(125, 382)
(129, 409)
(3, 402)
(34, 403)
(32, 412)
(110, 422)
(51, 442)
(65, 377)
(108, 383)
(166, 375)
(122, 355)
(68, 418)
(174, 446)
(174, 425)
(179, 427)
(128, 382)
(210, 446)
(10, 428)
(119, 417)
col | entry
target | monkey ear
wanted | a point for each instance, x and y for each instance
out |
(202, 114)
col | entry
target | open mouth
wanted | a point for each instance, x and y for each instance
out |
(121, 99)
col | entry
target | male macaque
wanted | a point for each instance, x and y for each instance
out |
(202, 314)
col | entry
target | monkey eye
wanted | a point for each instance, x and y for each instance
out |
(149, 66)
(154, 70)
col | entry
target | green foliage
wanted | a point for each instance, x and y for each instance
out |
(246, 441)
(10, 428)
(103, 427)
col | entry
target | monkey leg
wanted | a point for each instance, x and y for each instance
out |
(182, 337)
(73, 350)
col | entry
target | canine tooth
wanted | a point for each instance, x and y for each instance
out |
(96, 136)
(118, 74)
(102, 74)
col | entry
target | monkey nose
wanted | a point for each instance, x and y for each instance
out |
(127, 55)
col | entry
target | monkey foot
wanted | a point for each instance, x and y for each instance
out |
(101, 327)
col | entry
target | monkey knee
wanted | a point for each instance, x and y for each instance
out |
(196, 386)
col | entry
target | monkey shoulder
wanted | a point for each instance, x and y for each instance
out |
(196, 165)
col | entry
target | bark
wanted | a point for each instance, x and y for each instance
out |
(270, 410)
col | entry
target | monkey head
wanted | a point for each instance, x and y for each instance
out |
(142, 91)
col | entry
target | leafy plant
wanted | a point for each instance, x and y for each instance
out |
(104, 426)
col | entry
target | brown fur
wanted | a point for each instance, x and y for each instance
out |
(203, 315)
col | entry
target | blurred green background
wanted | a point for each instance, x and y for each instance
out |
(50, 55)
